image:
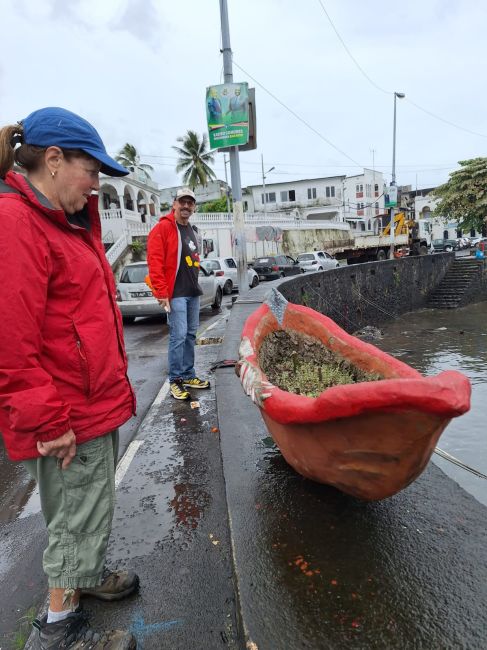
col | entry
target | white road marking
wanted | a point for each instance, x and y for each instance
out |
(161, 394)
(125, 461)
(210, 327)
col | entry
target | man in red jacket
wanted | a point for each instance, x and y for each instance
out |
(64, 389)
(174, 264)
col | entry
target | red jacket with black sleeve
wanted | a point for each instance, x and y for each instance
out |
(62, 358)
(163, 256)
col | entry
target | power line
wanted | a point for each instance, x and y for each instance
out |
(404, 168)
(456, 126)
(388, 92)
(447, 165)
(298, 117)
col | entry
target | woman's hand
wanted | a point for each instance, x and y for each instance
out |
(63, 447)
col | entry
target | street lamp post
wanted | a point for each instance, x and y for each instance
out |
(263, 182)
(393, 178)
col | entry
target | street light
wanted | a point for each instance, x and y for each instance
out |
(393, 179)
(264, 175)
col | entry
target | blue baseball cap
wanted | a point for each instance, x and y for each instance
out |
(57, 127)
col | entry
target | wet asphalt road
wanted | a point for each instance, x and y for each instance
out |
(313, 568)
(22, 534)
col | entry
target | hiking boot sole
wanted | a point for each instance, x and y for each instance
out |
(100, 595)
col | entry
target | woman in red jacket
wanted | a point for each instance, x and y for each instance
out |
(64, 389)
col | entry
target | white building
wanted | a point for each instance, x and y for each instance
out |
(318, 198)
(422, 203)
(363, 200)
(355, 199)
(211, 192)
(126, 204)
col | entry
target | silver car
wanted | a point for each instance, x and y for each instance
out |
(317, 261)
(135, 298)
(226, 268)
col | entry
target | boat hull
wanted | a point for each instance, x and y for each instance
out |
(370, 457)
(369, 440)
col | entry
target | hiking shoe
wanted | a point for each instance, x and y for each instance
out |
(74, 633)
(194, 382)
(115, 585)
(178, 391)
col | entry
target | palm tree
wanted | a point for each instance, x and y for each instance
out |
(129, 158)
(194, 158)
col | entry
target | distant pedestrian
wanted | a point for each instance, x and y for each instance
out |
(64, 389)
(174, 265)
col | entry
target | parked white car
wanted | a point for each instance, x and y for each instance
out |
(135, 298)
(226, 268)
(317, 261)
(475, 240)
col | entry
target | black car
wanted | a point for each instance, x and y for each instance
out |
(276, 266)
(444, 245)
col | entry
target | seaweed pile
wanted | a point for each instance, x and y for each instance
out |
(301, 364)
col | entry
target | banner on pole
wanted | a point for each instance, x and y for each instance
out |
(227, 114)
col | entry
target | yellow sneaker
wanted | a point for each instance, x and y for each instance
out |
(194, 382)
(178, 391)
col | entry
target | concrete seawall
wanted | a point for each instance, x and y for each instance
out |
(368, 294)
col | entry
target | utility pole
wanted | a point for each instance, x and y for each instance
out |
(373, 190)
(238, 214)
(225, 162)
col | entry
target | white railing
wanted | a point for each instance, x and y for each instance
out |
(204, 218)
(114, 213)
(138, 228)
(118, 248)
(118, 213)
(217, 220)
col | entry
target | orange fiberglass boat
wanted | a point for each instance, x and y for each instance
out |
(368, 439)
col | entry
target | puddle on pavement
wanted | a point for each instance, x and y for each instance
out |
(164, 496)
(16, 489)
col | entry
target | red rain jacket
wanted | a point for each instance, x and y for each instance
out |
(62, 358)
(163, 256)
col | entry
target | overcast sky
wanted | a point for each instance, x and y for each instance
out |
(138, 70)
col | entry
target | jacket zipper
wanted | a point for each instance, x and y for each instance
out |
(85, 369)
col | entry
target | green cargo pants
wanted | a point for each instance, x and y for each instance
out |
(77, 504)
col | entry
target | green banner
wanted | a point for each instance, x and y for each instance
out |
(227, 113)
(390, 196)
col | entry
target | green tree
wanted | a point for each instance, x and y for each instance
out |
(194, 159)
(130, 159)
(464, 197)
(218, 205)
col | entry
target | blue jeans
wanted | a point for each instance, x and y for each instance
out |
(183, 321)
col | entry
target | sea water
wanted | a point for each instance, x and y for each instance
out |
(432, 340)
